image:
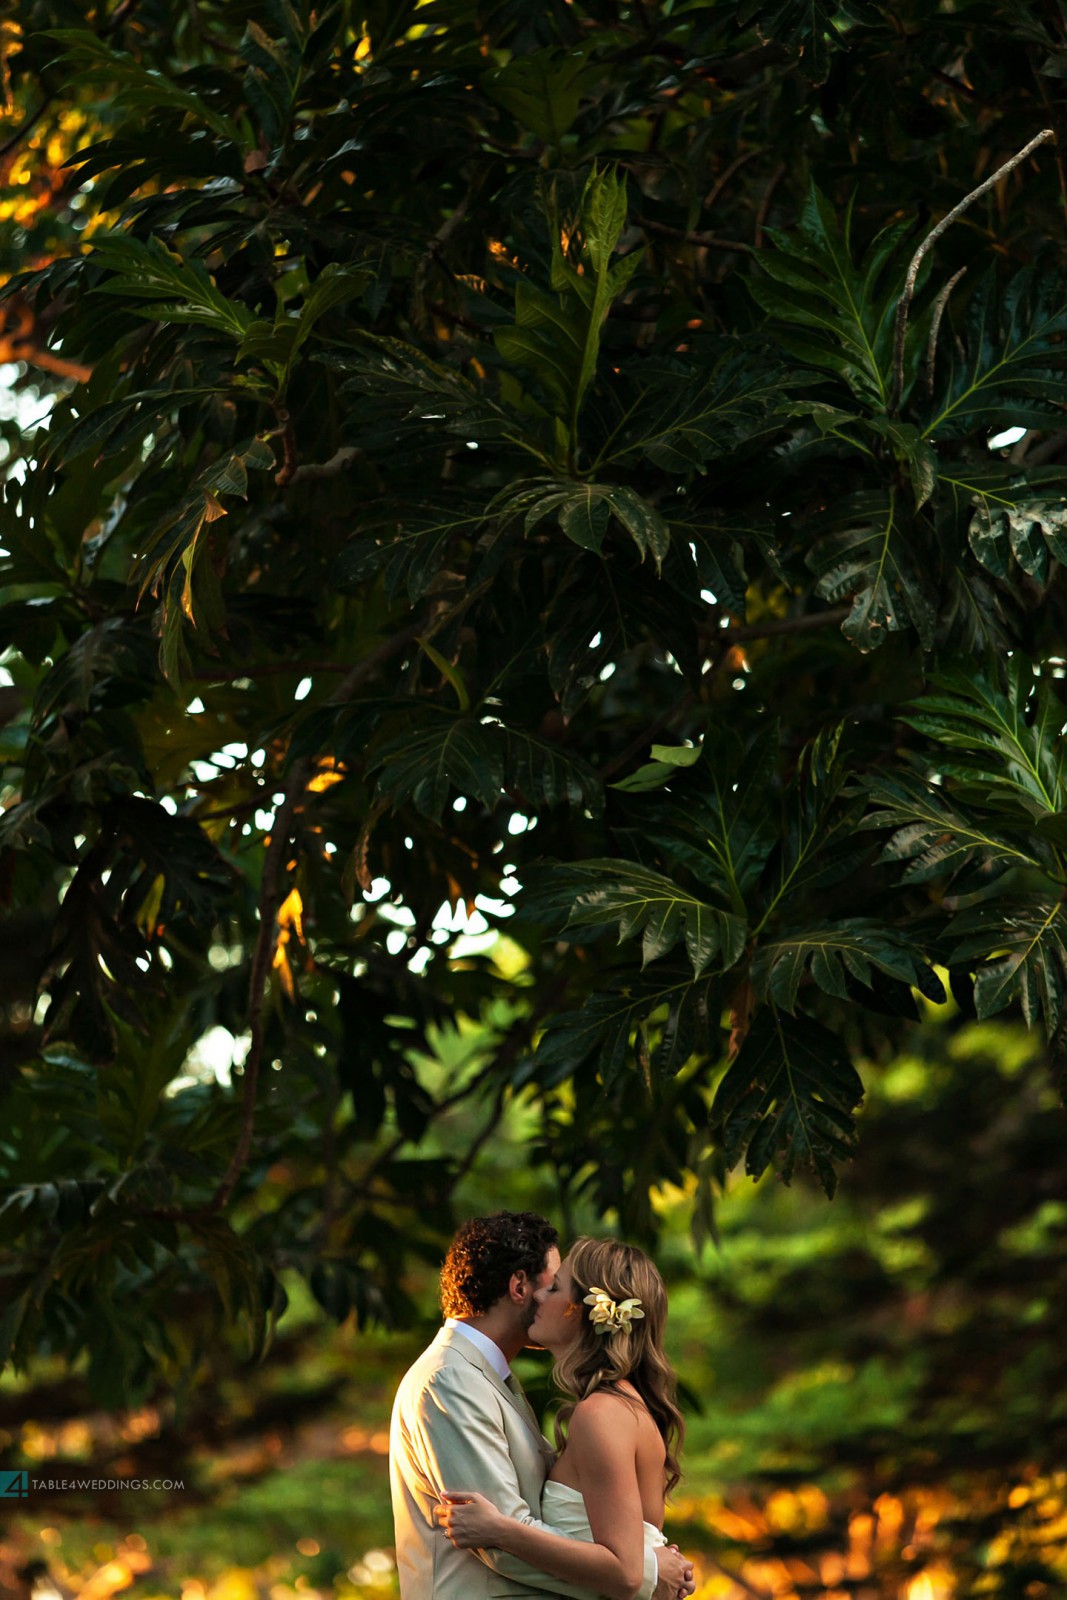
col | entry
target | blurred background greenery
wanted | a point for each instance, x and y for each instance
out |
(875, 1387)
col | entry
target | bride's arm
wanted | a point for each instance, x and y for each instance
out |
(602, 1443)
(458, 1439)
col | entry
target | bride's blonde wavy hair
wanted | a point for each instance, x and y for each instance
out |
(601, 1361)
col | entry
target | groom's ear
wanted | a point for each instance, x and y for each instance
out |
(520, 1287)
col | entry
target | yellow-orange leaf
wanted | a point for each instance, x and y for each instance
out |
(291, 913)
(329, 772)
(283, 969)
(148, 916)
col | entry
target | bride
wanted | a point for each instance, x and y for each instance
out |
(603, 1318)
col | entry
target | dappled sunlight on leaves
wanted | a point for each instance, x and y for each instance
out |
(804, 1541)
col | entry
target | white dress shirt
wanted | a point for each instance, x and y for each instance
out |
(481, 1341)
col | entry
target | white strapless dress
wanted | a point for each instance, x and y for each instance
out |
(564, 1508)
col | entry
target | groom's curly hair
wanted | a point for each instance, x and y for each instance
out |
(485, 1253)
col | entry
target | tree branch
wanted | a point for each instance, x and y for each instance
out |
(765, 204)
(740, 1579)
(500, 1063)
(27, 127)
(935, 326)
(289, 467)
(1047, 450)
(261, 669)
(957, 84)
(315, 470)
(76, 371)
(456, 318)
(728, 636)
(779, 625)
(904, 303)
(646, 736)
(122, 12)
(724, 177)
(203, 32)
(706, 241)
(270, 896)
(1046, 100)
(18, 328)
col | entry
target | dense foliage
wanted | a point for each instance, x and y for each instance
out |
(512, 468)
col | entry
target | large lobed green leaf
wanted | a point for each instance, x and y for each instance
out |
(789, 1096)
(835, 953)
(556, 334)
(621, 894)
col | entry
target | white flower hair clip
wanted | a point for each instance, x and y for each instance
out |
(608, 1315)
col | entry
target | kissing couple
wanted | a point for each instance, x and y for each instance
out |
(483, 1504)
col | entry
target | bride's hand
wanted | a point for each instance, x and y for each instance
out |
(675, 1572)
(470, 1520)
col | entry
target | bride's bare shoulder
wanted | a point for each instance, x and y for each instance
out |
(604, 1434)
(604, 1410)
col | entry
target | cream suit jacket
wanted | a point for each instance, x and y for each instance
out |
(456, 1425)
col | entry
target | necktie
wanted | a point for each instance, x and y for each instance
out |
(515, 1388)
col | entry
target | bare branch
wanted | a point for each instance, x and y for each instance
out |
(118, 17)
(904, 303)
(1047, 450)
(957, 84)
(314, 470)
(779, 625)
(261, 669)
(935, 326)
(121, 13)
(765, 204)
(724, 177)
(27, 127)
(433, 254)
(499, 1066)
(289, 466)
(706, 241)
(76, 371)
(739, 1579)
(772, 629)
(456, 319)
(270, 896)
(647, 736)
(18, 342)
(1061, 165)
(204, 33)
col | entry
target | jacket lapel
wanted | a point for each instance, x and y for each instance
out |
(516, 1398)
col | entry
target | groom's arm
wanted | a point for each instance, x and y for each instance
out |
(463, 1447)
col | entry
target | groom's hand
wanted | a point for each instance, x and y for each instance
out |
(676, 1579)
(470, 1520)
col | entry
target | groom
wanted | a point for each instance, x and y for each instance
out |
(461, 1418)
